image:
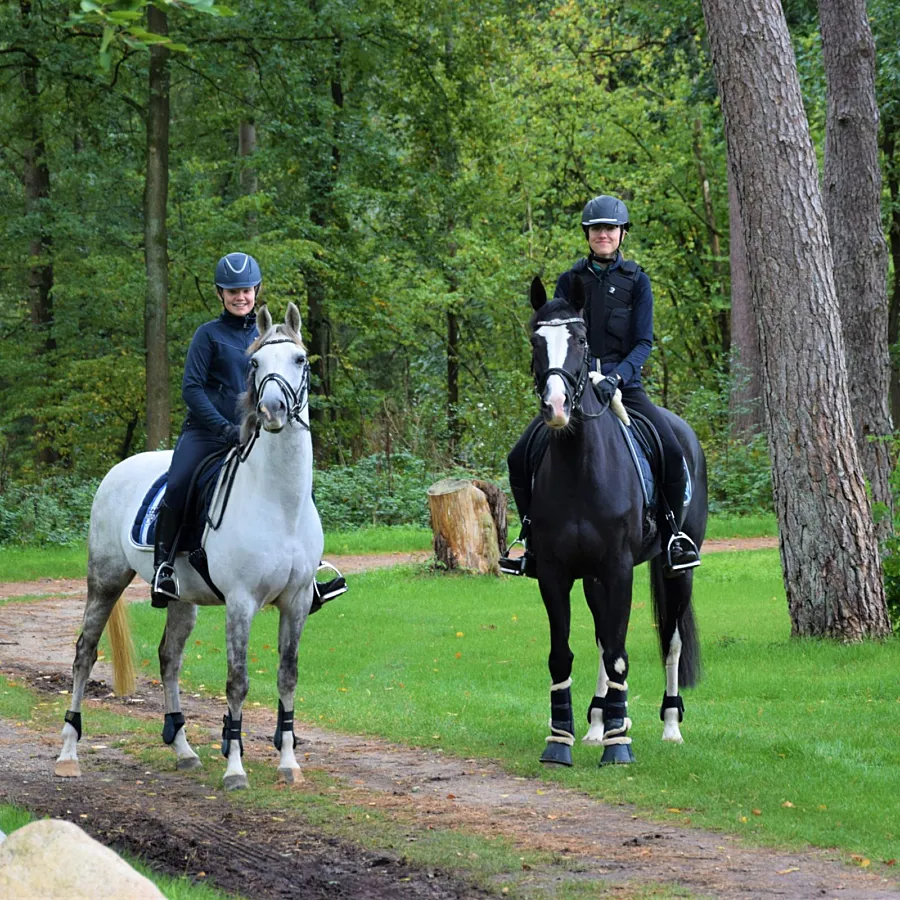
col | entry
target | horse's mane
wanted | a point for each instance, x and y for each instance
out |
(557, 308)
(248, 401)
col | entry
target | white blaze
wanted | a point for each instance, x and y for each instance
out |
(554, 395)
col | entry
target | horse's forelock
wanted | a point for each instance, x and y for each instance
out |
(276, 331)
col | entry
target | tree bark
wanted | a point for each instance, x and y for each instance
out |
(464, 525)
(852, 195)
(249, 184)
(832, 570)
(746, 381)
(156, 257)
(890, 127)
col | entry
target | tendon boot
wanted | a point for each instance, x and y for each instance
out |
(165, 583)
(525, 563)
(323, 591)
(681, 552)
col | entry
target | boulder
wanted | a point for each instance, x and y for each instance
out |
(52, 859)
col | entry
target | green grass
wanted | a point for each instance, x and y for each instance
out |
(786, 741)
(31, 563)
(14, 817)
(742, 526)
(383, 539)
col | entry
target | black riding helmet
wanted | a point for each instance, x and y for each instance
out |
(605, 210)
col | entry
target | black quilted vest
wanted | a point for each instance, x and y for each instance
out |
(608, 312)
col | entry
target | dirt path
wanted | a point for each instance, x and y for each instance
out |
(182, 824)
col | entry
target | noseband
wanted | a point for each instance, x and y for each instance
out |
(295, 401)
(574, 385)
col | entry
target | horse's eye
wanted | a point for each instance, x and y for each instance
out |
(254, 364)
(300, 359)
(581, 340)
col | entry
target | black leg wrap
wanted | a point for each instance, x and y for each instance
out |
(74, 719)
(562, 724)
(671, 703)
(174, 721)
(285, 726)
(596, 703)
(617, 744)
(231, 731)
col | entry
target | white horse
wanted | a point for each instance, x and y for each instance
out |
(266, 550)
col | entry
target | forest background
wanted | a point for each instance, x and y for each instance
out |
(401, 170)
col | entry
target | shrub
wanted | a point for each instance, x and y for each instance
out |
(55, 511)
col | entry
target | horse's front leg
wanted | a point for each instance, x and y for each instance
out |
(609, 600)
(238, 618)
(556, 586)
(293, 614)
(180, 620)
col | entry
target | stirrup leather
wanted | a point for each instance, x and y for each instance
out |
(513, 565)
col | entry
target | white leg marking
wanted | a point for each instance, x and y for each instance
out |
(235, 776)
(67, 762)
(671, 731)
(187, 759)
(619, 665)
(595, 730)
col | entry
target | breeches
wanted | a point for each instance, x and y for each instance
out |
(635, 398)
(192, 448)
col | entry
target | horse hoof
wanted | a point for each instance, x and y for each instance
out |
(67, 768)
(290, 775)
(235, 783)
(556, 754)
(187, 763)
(617, 754)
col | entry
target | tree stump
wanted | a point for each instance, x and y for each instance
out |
(468, 519)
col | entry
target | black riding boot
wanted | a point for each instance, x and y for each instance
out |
(165, 583)
(524, 564)
(681, 552)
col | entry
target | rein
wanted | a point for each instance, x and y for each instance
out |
(296, 401)
(574, 385)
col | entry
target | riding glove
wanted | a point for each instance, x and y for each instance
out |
(233, 435)
(606, 387)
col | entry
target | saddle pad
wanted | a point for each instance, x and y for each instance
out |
(640, 454)
(143, 530)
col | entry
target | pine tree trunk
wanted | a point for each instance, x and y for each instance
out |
(852, 194)
(156, 255)
(829, 553)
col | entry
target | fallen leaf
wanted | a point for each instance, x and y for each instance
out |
(756, 812)
(787, 804)
(788, 871)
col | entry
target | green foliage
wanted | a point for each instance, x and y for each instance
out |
(55, 511)
(890, 552)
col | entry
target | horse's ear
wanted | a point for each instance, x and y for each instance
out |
(292, 318)
(264, 319)
(576, 294)
(537, 293)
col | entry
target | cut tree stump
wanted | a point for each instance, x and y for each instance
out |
(468, 519)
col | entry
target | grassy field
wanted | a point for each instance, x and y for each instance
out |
(786, 741)
(31, 563)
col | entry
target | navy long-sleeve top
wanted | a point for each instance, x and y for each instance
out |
(215, 372)
(640, 335)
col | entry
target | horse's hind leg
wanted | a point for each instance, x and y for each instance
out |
(238, 618)
(180, 619)
(290, 626)
(678, 642)
(105, 585)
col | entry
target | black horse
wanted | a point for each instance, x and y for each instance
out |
(588, 523)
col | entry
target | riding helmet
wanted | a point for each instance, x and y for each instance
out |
(237, 270)
(605, 209)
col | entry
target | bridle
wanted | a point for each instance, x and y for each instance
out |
(295, 400)
(574, 385)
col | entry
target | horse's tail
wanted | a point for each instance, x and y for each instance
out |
(672, 608)
(119, 633)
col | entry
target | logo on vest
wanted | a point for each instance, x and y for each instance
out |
(612, 290)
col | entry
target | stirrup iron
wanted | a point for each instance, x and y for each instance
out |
(513, 565)
(680, 567)
(161, 592)
(328, 590)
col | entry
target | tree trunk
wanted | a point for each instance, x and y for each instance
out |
(466, 523)
(829, 554)
(156, 257)
(746, 392)
(249, 185)
(36, 180)
(892, 166)
(453, 424)
(852, 195)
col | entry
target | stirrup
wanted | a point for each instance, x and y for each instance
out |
(513, 565)
(328, 590)
(691, 551)
(164, 587)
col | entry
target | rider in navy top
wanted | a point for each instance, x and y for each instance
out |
(619, 318)
(215, 375)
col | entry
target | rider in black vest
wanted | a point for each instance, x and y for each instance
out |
(215, 374)
(619, 317)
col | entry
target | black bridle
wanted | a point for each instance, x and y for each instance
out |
(574, 384)
(295, 400)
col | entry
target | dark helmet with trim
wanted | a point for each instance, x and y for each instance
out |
(237, 270)
(605, 210)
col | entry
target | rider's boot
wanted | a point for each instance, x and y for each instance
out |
(165, 583)
(525, 564)
(327, 590)
(681, 552)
